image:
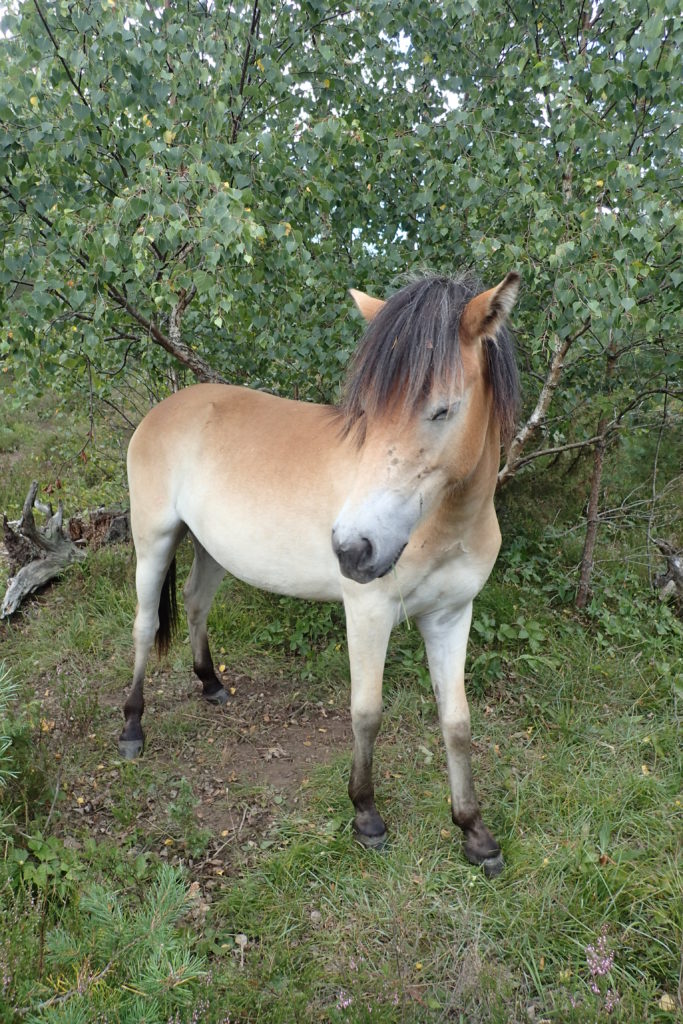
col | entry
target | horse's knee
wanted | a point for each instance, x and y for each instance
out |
(457, 733)
(365, 721)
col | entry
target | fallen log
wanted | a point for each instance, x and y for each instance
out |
(37, 554)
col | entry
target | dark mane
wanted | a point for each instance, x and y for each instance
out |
(413, 342)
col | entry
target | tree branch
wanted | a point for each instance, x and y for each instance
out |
(75, 84)
(253, 29)
(613, 425)
(532, 425)
(173, 345)
(59, 56)
(650, 518)
(558, 449)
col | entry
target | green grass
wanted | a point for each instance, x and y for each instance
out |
(576, 757)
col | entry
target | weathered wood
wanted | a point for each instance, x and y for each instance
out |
(670, 583)
(103, 526)
(37, 554)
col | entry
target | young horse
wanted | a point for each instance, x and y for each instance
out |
(385, 503)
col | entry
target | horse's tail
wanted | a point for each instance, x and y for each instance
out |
(168, 612)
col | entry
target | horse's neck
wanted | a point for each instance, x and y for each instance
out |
(469, 503)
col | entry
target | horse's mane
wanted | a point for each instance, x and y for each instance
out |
(413, 342)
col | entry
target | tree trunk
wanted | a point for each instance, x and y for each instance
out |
(514, 459)
(593, 512)
(592, 518)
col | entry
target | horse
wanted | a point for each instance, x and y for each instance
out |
(384, 502)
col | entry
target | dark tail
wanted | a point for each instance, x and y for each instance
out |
(168, 613)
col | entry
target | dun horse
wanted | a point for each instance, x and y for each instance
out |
(385, 503)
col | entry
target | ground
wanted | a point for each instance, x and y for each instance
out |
(244, 763)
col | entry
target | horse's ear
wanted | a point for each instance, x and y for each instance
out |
(368, 306)
(485, 313)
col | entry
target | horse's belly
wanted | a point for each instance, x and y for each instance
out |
(281, 573)
(269, 549)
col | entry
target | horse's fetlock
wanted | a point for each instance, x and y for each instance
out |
(361, 790)
(467, 817)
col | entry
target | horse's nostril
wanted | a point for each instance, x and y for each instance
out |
(365, 553)
(355, 556)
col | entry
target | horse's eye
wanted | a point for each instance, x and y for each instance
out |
(440, 414)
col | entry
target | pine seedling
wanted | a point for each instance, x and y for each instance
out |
(123, 964)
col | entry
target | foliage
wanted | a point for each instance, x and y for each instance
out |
(45, 866)
(305, 630)
(255, 160)
(183, 822)
(8, 692)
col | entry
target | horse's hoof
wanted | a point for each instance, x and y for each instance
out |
(130, 749)
(371, 842)
(493, 866)
(218, 697)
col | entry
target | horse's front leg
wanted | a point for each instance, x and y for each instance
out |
(445, 637)
(367, 628)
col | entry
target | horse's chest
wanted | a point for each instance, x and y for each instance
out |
(452, 583)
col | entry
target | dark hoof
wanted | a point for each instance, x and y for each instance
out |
(130, 749)
(217, 697)
(493, 866)
(371, 842)
(481, 848)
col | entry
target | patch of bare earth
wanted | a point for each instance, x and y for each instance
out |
(244, 765)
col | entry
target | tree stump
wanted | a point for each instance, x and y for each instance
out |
(38, 554)
(670, 583)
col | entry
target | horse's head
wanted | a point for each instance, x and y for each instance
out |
(433, 374)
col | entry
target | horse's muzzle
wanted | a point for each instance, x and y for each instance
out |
(359, 560)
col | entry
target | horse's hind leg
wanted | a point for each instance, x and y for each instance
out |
(154, 561)
(368, 628)
(445, 635)
(200, 590)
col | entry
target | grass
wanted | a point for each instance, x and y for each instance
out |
(576, 758)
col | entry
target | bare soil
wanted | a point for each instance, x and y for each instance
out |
(246, 763)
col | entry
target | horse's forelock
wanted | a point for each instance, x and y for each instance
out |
(412, 341)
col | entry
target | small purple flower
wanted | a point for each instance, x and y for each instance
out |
(344, 1000)
(600, 958)
(611, 1000)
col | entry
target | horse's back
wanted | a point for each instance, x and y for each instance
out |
(226, 429)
